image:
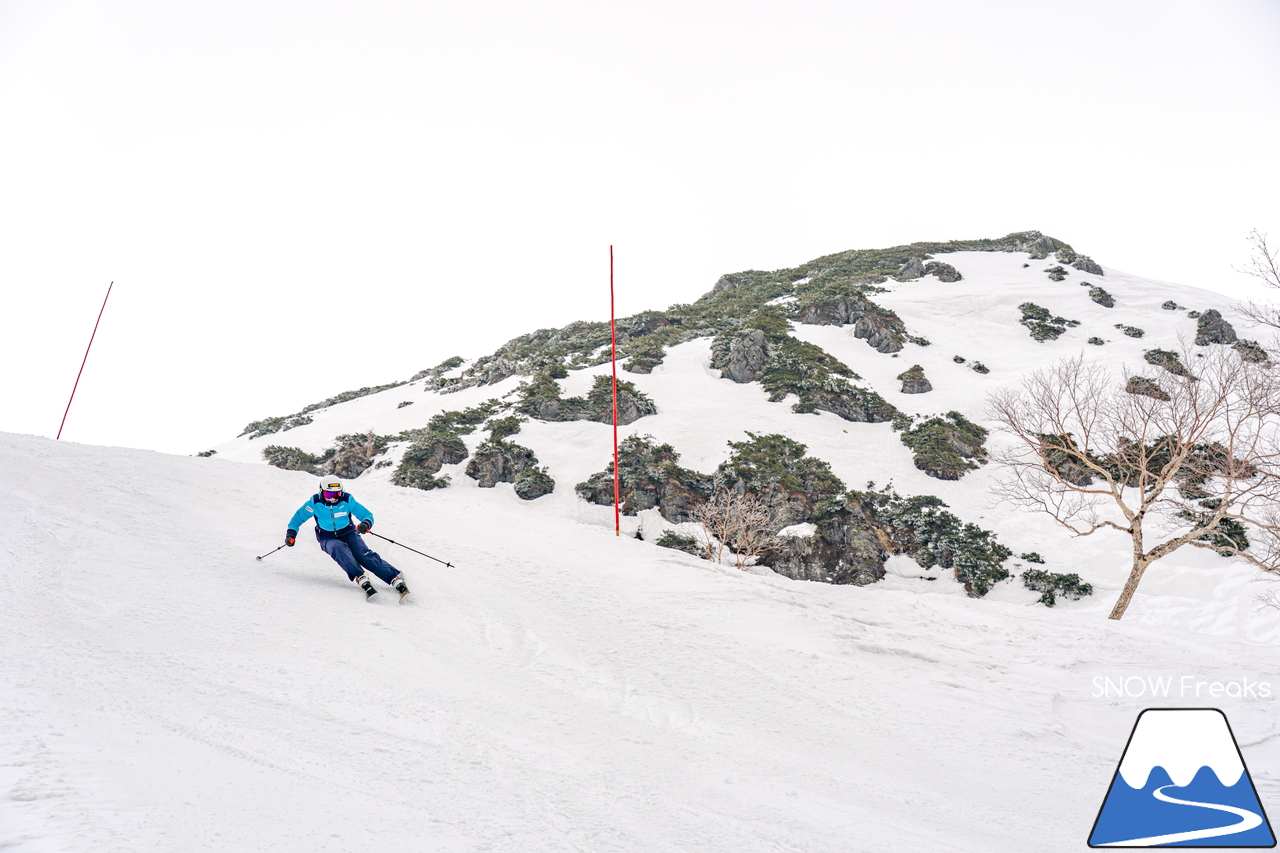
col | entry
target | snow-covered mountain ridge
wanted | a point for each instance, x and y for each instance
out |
(848, 410)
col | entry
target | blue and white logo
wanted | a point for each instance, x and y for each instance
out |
(1182, 783)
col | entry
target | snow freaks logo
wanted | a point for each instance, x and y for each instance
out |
(1181, 783)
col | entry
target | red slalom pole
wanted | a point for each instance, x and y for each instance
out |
(86, 359)
(617, 475)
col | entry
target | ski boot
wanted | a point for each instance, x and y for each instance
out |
(367, 586)
(398, 584)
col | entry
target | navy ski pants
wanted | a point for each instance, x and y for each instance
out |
(354, 556)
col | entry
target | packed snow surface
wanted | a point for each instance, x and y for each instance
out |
(560, 688)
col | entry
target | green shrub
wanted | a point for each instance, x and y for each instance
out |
(979, 367)
(268, 426)
(921, 527)
(207, 453)
(1042, 324)
(1057, 273)
(946, 448)
(534, 482)
(1097, 342)
(352, 455)
(1052, 584)
(291, 459)
(1131, 331)
(671, 539)
(540, 398)
(422, 460)
(501, 428)
(791, 366)
(1100, 296)
(1032, 557)
(1167, 359)
(649, 476)
(1251, 351)
(944, 272)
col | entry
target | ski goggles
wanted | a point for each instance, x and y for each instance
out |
(330, 496)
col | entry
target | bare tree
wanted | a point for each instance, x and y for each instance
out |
(1264, 265)
(740, 522)
(1170, 461)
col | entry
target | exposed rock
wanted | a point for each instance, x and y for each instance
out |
(1212, 329)
(843, 552)
(911, 270)
(424, 458)
(748, 355)
(540, 398)
(1147, 387)
(1168, 360)
(649, 477)
(533, 483)
(1251, 351)
(946, 448)
(914, 381)
(1039, 248)
(722, 284)
(1086, 264)
(1100, 296)
(943, 272)
(879, 327)
(499, 462)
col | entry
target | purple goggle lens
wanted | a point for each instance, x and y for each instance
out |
(330, 496)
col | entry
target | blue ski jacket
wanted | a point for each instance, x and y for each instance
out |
(332, 521)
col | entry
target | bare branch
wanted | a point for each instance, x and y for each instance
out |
(1194, 464)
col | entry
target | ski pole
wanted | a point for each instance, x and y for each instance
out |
(406, 547)
(269, 553)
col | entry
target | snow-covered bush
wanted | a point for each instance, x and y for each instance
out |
(534, 482)
(946, 448)
(291, 458)
(649, 477)
(1043, 324)
(921, 528)
(1052, 584)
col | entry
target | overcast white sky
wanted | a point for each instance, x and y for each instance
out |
(299, 198)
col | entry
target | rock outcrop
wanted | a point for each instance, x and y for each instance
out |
(914, 381)
(880, 328)
(911, 270)
(499, 462)
(1084, 263)
(1211, 328)
(747, 358)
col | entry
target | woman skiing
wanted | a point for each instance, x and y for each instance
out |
(340, 519)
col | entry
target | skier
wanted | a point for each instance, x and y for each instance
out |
(340, 519)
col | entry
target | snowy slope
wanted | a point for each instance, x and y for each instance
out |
(976, 318)
(560, 689)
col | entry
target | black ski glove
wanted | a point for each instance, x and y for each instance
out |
(290, 536)
(363, 527)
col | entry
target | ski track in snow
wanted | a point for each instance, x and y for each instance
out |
(562, 689)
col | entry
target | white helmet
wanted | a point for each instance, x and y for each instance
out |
(331, 491)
